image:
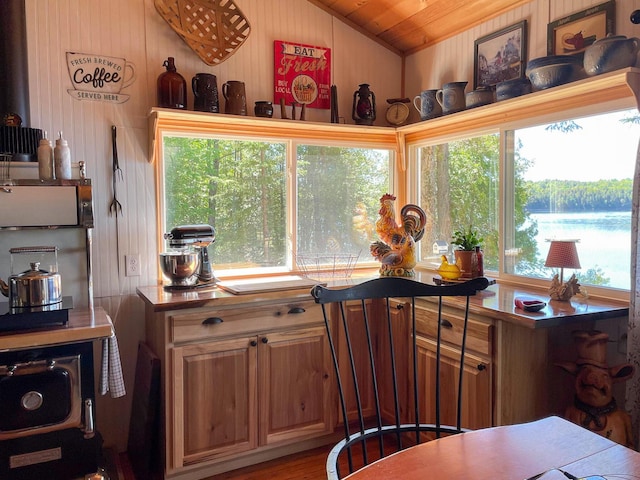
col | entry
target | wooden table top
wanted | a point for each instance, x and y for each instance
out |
(515, 452)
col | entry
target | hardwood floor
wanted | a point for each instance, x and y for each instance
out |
(309, 465)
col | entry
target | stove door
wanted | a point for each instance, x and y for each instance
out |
(39, 396)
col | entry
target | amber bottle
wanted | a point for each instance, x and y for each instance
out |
(172, 87)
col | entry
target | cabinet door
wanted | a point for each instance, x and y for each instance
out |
(214, 400)
(358, 338)
(402, 360)
(294, 385)
(476, 388)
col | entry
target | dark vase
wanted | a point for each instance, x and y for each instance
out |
(172, 87)
(364, 105)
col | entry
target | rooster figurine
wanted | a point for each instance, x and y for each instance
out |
(396, 249)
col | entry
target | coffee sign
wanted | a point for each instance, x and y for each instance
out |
(98, 77)
(302, 74)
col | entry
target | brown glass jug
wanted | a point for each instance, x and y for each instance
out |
(172, 88)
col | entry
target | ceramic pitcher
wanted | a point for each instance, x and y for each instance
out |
(451, 97)
(205, 93)
(428, 105)
(235, 97)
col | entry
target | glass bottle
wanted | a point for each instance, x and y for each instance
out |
(45, 159)
(172, 87)
(62, 158)
(480, 261)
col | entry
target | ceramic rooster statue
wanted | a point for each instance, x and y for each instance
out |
(396, 249)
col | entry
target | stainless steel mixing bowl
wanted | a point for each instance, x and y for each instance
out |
(180, 267)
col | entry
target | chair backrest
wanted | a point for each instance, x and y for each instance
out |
(389, 387)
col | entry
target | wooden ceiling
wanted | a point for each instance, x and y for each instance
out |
(406, 26)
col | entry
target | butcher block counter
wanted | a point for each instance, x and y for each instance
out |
(246, 377)
(84, 324)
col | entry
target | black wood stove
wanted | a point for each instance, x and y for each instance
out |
(47, 422)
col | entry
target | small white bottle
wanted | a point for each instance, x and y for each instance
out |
(45, 159)
(62, 158)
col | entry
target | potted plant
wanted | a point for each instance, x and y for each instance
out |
(466, 257)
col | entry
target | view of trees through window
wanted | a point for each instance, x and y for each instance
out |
(339, 192)
(236, 186)
(241, 188)
(568, 180)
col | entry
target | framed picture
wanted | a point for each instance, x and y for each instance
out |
(500, 56)
(572, 34)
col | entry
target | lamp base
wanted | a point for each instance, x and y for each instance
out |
(563, 291)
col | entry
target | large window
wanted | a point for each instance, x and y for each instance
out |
(459, 188)
(566, 180)
(242, 188)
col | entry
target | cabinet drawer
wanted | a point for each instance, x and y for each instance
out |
(220, 322)
(479, 333)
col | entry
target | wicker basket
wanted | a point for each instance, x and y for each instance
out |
(327, 265)
(214, 29)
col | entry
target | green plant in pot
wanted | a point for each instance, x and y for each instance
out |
(466, 257)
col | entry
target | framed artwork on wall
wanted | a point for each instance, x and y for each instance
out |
(501, 55)
(570, 35)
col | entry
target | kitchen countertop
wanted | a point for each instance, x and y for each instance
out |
(497, 301)
(84, 324)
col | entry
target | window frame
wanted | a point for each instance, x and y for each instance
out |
(506, 186)
(250, 129)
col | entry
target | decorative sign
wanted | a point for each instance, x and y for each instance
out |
(302, 74)
(99, 78)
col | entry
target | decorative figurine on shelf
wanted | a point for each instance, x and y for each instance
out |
(594, 406)
(364, 106)
(564, 291)
(396, 249)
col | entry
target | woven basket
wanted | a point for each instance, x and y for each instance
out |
(214, 29)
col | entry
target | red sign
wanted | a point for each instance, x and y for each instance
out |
(302, 74)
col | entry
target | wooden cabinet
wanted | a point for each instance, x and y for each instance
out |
(477, 392)
(478, 375)
(242, 381)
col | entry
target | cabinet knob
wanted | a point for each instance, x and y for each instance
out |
(297, 310)
(253, 343)
(264, 340)
(212, 321)
(400, 306)
(481, 367)
(446, 323)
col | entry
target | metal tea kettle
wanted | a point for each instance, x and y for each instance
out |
(34, 287)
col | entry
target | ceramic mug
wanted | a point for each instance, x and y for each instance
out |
(205, 93)
(235, 97)
(451, 97)
(99, 73)
(429, 106)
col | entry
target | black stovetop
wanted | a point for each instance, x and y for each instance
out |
(14, 318)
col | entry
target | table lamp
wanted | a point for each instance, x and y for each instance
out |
(562, 254)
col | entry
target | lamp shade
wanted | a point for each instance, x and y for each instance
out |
(562, 254)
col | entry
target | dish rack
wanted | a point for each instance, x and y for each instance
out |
(327, 265)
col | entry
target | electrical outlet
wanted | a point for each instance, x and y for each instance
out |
(132, 265)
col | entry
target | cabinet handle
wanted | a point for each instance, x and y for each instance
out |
(481, 367)
(264, 340)
(297, 310)
(212, 321)
(446, 323)
(400, 306)
(253, 343)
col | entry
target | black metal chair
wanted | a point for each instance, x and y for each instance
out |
(372, 334)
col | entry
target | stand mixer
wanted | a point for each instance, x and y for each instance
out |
(183, 268)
